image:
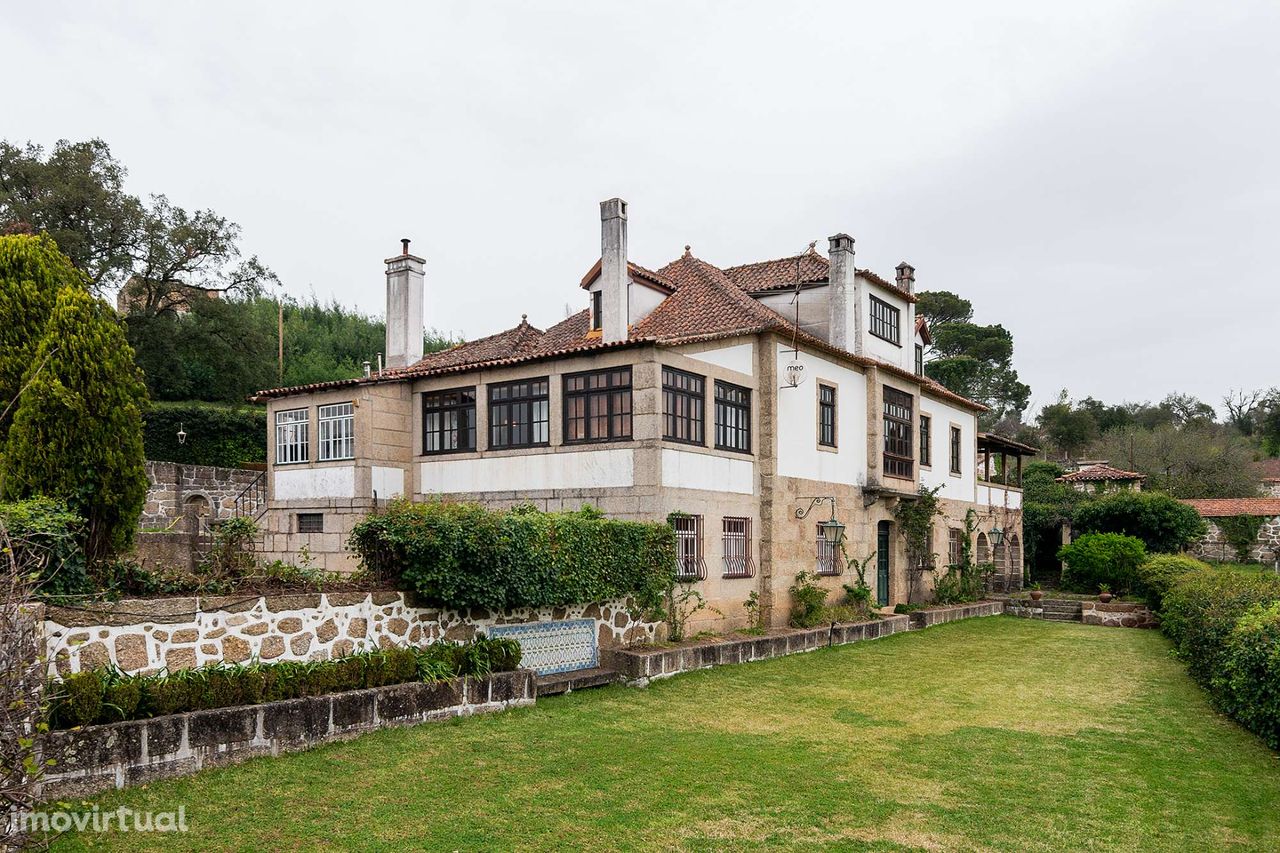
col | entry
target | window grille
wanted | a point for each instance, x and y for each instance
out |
(689, 563)
(311, 522)
(828, 555)
(737, 548)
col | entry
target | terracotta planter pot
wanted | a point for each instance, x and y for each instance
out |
(1037, 594)
(1104, 597)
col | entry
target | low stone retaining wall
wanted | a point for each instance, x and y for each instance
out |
(640, 666)
(98, 758)
(938, 615)
(147, 635)
(1118, 615)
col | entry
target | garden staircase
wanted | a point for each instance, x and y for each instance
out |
(1061, 610)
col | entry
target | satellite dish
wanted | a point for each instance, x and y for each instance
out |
(794, 373)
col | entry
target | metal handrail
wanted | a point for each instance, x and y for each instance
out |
(252, 500)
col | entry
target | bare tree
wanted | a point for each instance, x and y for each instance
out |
(1241, 406)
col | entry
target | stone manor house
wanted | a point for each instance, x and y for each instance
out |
(734, 395)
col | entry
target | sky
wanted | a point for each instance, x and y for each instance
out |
(1101, 178)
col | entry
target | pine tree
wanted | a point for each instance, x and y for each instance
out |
(77, 432)
(32, 272)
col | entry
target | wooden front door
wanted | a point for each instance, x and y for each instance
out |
(882, 563)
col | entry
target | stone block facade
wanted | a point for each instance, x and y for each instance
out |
(1117, 614)
(150, 635)
(178, 492)
(118, 755)
(1266, 548)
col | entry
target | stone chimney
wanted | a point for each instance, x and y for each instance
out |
(613, 270)
(405, 276)
(843, 300)
(906, 277)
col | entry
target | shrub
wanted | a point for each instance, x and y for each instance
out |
(51, 536)
(463, 555)
(108, 696)
(808, 601)
(227, 436)
(1102, 558)
(1250, 679)
(957, 587)
(1241, 533)
(1160, 571)
(1164, 525)
(1226, 627)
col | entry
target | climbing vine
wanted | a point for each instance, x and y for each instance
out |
(915, 523)
(1241, 532)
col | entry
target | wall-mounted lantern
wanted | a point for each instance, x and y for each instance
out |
(182, 435)
(832, 530)
(997, 536)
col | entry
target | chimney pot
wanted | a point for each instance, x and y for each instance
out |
(404, 245)
(405, 278)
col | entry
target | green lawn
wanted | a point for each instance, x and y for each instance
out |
(993, 733)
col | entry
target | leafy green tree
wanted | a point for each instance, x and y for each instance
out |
(77, 433)
(972, 360)
(1046, 506)
(1069, 427)
(1163, 524)
(32, 273)
(1199, 461)
(1268, 419)
(76, 195)
(157, 252)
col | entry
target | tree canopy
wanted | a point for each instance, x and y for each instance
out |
(972, 360)
(77, 432)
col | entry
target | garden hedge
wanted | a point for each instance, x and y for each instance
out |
(110, 696)
(1226, 627)
(1162, 571)
(1164, 525)
(1102, 558)
(463, 555)
(226, 436)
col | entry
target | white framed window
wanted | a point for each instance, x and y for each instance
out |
(337, 432)
(293, 436)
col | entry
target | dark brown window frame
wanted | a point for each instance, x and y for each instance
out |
(899, 433)
(889, 319)
(956, 454)
(696, 401)
(618, 417)
(312, 518)
(827, 415)
(461, 406)
(735, 546)
(742, 407)
(919, 360)
(926, 440)
(597, 310)
(526, 401)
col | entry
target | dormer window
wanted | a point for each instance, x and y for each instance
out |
(597, 310)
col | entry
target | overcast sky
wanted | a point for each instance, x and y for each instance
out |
(1101, 180)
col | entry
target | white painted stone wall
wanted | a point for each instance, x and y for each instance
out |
(290, 484)
(903, 356)
(148, 635)
(583, 469)
(684, 469)
(738, 357)
(962, 487)
(799, 454)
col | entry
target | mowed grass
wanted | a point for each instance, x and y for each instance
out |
(993, 733)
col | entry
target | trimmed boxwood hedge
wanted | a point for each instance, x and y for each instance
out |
(1102, 558)
(1226, 626)
(225, 436)
(463, 555)
(110, 696)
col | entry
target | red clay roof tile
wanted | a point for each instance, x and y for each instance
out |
(1226, 507)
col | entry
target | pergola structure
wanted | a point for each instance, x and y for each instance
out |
(992, 446)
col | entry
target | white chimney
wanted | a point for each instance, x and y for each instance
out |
(613, 270)
(405, 275)
(843, 314)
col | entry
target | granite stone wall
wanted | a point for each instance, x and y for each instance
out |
(1266, 548)
(148, 635)
(176, 491)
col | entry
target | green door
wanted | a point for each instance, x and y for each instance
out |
(882, 563)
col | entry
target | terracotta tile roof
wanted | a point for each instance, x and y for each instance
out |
(704, 304)
(636, 271)
(1268, 469)
(781, 273)
(1100, 472)
(1226, 507)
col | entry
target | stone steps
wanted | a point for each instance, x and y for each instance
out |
(579, 679)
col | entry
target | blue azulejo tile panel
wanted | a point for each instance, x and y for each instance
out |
(548, 647)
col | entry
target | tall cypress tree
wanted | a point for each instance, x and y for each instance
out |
(32, 272)
(77, 432)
